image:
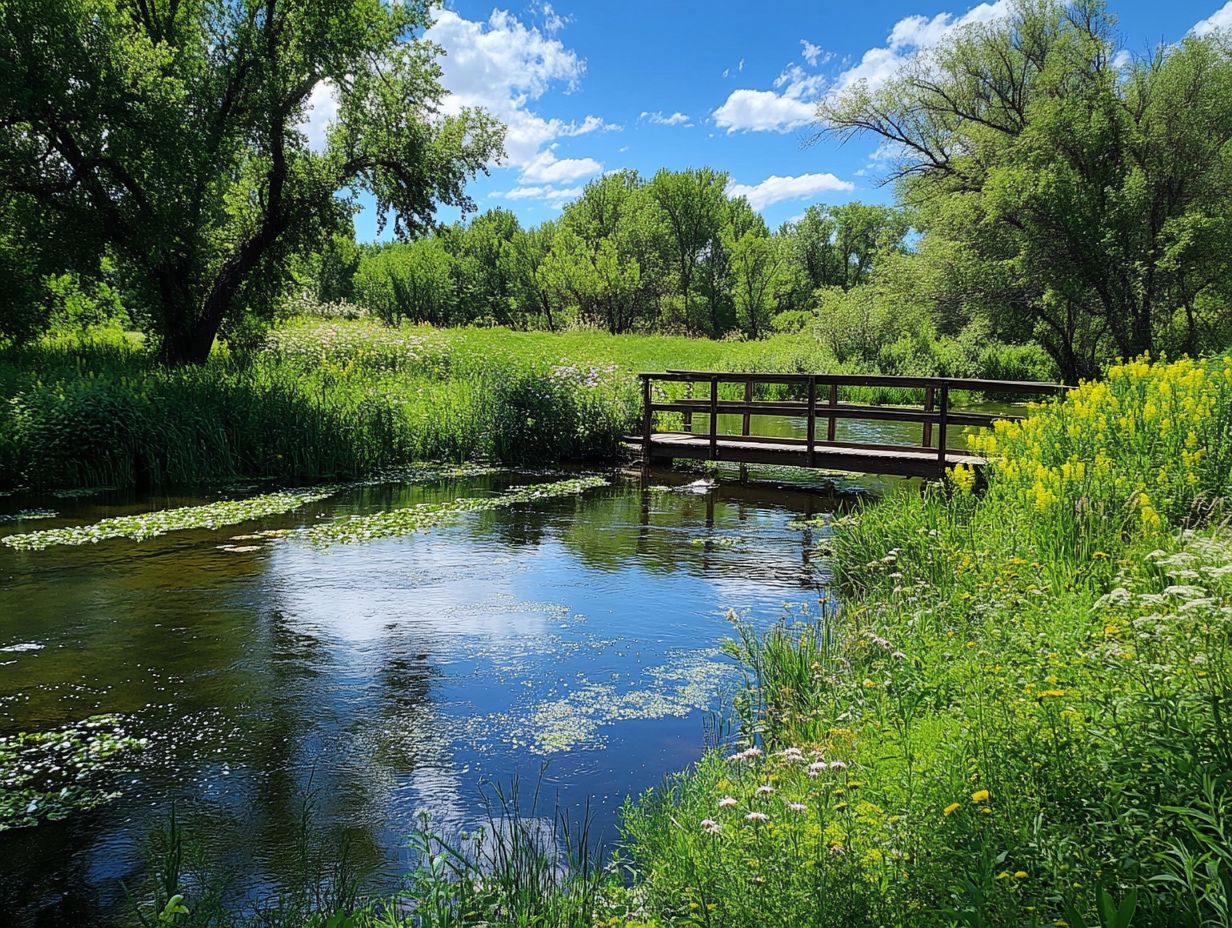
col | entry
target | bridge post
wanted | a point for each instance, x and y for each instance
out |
(714, 417)
(748, 420)
(812, 419)
(929, 406)
(647, 423)
(832, 426)
(941, 426)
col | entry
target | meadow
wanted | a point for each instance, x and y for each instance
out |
(341, 398)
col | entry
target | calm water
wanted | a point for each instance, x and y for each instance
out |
(385, 679)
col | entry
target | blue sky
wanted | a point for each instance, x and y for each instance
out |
(588, 87)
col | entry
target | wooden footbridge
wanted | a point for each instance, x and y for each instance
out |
(930, 458)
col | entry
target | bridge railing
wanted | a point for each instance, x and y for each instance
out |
(935, 415)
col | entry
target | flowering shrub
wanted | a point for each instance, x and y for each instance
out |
(1121, 455)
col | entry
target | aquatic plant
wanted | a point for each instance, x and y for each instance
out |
(27, 515)
(148, 525)
(49, 775)
(394, 522)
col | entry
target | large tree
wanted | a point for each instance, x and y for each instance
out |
(1090, 193)
(694, 206)
(170, 133)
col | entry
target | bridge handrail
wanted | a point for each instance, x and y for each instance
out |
(976, 385)
(936, 406)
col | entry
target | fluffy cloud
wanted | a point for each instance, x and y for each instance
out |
(762, 111)
(504, 65)
(912, 35)
(551, 194)
(546, 168)
(793, 103)
(658, 119)
(320, 113)
(1220, 19)
(775, 189)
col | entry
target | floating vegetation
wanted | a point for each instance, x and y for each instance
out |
(82, 492)
(49, 775)
(27, 515)
(716, 541)
(688, 684)
(151, 524)
(394, 522)
(424, 473)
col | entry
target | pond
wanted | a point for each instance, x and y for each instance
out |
(572, 638)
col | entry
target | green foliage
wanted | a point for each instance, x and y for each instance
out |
(408, 281)
(102, 104)
(1062, 195)
(45, 776)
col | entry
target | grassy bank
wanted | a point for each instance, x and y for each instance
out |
(1016, 717)
(347, 398)
(1019, 715)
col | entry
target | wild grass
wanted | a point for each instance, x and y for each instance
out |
(1028, 689)
(345, 398)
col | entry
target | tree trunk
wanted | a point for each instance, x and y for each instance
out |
(190, 341)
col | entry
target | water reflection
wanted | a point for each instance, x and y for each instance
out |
(383, 679)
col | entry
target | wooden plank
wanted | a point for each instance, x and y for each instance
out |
(832, 425)
(942, 423)
(927, 440)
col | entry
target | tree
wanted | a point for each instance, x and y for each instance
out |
(1090, 193)
(693, 204)
(758, 272)
(812, 249)
(533, 295)
(603, 284)
(409, 280)
(485, 264)
(170, 132)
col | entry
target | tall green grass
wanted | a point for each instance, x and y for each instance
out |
(346, 398)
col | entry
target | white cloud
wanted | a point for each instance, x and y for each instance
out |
(658, 119)
(912, 35)
(812, 53)
(503, 66)
(1122, 59)
(762, 111)
(1220, 19)
(775, 189)
(551, 194)
(546, 168)
(322, 110)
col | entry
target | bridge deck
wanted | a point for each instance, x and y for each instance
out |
(796, 396)
(860, 459)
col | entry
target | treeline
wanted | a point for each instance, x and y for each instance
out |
(672, 253)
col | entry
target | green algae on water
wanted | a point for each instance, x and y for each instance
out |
(49, 775)
(688, 684)
(394, 522)
(28, 515)
(152, 524)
